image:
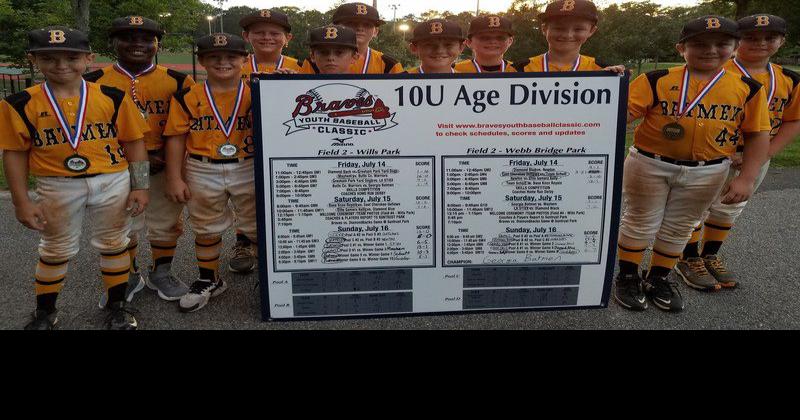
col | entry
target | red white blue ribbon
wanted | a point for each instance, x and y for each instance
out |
(254, 63)
(423, 71)
(74, 138)
(772, 84)
(366, 61)
(480, 70)
(134, 76)
(227, 129)
(682, 107)
(546, 63)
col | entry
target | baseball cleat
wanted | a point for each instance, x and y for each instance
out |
(42, 320)
(243, 260)
(168, 287)
(200, 292)
(694, 273)
(664, 293)
(628, 292)
(725, 278)
(121, 317)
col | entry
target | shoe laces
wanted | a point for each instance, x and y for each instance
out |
(199, 286)
(698, 266)
(629, 284)
(118, 312)
(665, 286)
(242, 250)
(717, 265)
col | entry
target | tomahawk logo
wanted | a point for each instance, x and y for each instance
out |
(340, 110)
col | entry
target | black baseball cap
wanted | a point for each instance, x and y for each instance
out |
(336, 35)
(58, 38)
(710, 24)
(762, 23)
(267, 16)
(490, 23)
(221, 42)
(135, 23)
(437, 28)
(360, 11)
(570, 8)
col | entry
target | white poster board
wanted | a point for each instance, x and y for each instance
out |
(404, 194)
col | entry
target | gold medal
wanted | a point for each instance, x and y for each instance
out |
(673, 131)
(76, 163)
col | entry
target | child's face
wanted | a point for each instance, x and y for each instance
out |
(757, 46)
(707, 52)
(135, 47)
(490, 44)
(568, 34)
(333, 59)
(266, 38)
(438, 53)
(62, 67)
(365, 30)
(222, 65)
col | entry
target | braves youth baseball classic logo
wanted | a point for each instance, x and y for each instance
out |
(340, 109)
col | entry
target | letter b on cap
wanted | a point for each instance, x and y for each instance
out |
(494, 22)
(713, 23)
(220, 40)
(266, 14)
(136, 20)
(331, 33)
(361, 9)
(762, 21)
(57, 37)
(569, 5)
(436, 28)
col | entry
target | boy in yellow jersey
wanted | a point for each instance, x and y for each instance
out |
(566, 25)
(333, 49)
(135, 40)
(762, 36)
(79, 139)
(212, 123)
(438, 43)
(365, 22)
(489, 37)
(694, 117)
(268, 32)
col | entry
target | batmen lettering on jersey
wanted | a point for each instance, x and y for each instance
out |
(190, 113)
(154, 91)
(28, 124)
(285, 63)
(378, 64)
(536, 64)
(469, 66)
(785, 104)
(713, 129)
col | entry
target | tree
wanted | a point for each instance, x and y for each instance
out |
(80, 10)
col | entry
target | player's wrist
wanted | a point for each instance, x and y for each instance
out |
(140, 175)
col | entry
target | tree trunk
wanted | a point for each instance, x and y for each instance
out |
(741, 8)
(80, 9)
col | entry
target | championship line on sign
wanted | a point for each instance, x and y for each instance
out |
(386, 195)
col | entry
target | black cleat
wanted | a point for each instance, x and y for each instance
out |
(664, 293)
(43, 320)
(121, 317)
(628, 292)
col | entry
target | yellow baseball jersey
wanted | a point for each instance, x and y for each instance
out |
(288, 63)
(379, 63)
(785, 105)
(154, 92)
(467, 66)
(191, 114)
(27, 123)
(536, 64)
(713, 129)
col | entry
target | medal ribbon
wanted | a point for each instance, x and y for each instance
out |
(133, 78)
(546, 63)
(772, 84)
(74, 138)
(254, 63)
(480, 70)
(226, 129)
(682, 107)
(366, 61)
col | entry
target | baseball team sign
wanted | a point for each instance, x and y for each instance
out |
(401, 194)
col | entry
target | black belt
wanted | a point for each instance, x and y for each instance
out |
(155, 152)
(207, 159)
(682, 162)
(80, 176)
